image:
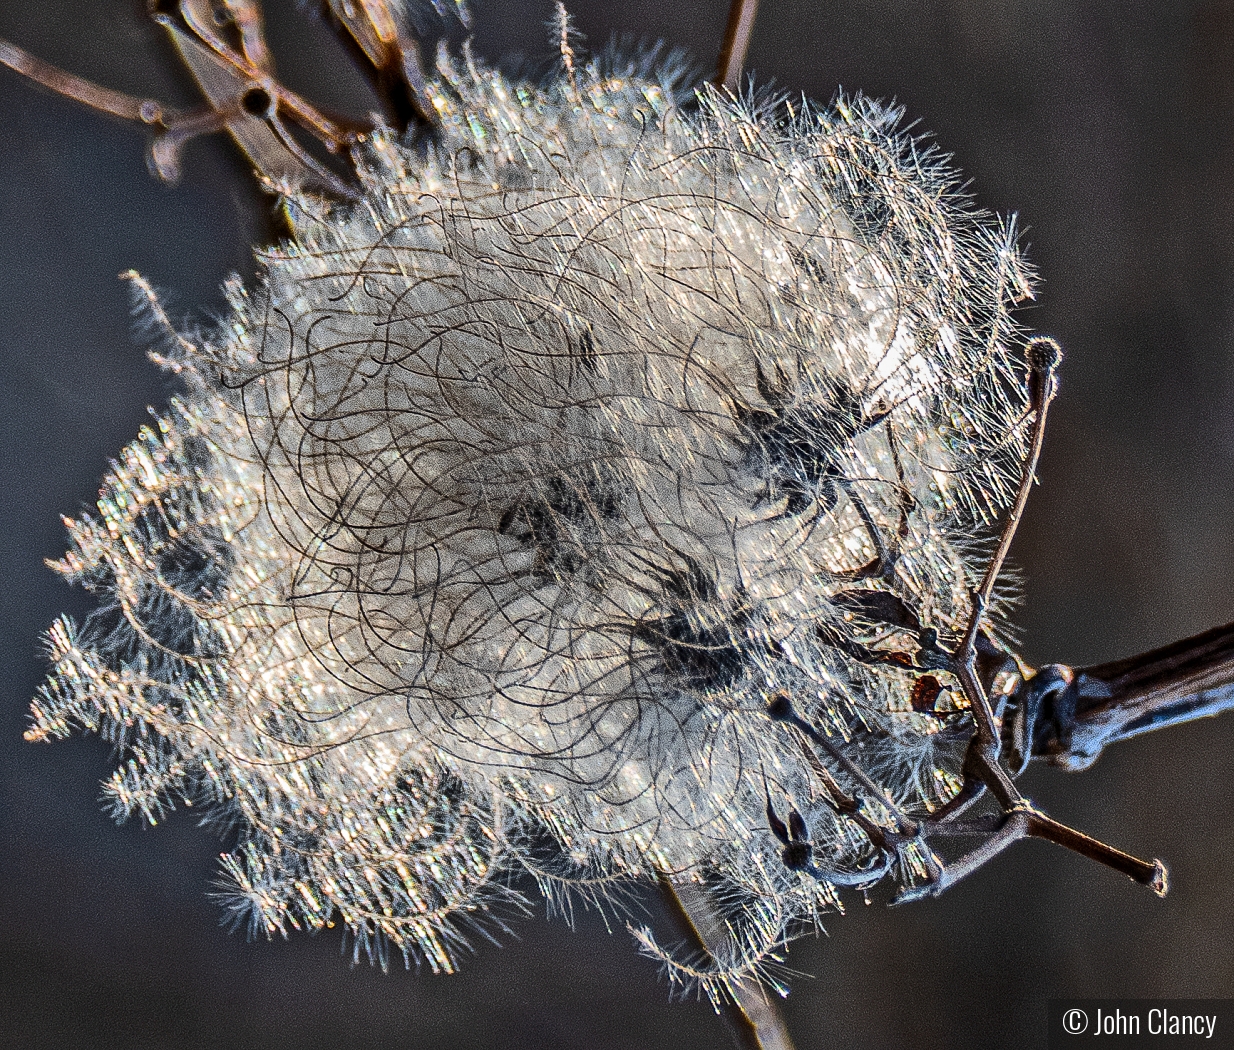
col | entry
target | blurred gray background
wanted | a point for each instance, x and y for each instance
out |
(1109, 127)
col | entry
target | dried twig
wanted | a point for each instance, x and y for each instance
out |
(1079, 713)
(115, 103)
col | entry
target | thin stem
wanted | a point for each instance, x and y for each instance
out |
(736, 43)
(887, 843)
(115, 103)
(752, 1017)
(1044, 356)
(1026, 821)
(1151, 873)
(387, 54)
(781, 710)
(982, 761)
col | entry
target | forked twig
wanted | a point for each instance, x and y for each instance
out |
(234, 69)
(974, 664)
(982, 764)
(1026, 821)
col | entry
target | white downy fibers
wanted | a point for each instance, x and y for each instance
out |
(494, 516)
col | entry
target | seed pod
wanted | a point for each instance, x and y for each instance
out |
(504, 502)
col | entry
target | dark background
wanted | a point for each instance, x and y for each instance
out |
(1108, 126)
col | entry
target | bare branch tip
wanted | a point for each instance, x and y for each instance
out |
(1160, 883)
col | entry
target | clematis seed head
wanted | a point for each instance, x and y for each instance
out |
(519, 511)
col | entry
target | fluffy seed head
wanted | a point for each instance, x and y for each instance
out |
(499, 511)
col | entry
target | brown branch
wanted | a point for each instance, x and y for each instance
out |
(736, 43)
(1093, 707)
(1044, 356)
(975, 664)
(1025, 821)
(983, 761)
(243, 99)
(388, 55)
(115, 103)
